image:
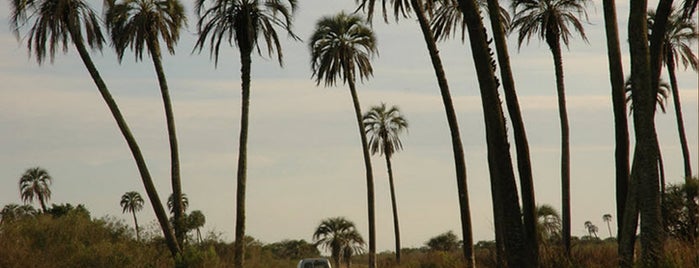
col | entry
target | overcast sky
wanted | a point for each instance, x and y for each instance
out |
(304, 157)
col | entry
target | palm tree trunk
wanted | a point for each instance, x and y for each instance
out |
(520, 134)
(499, 160)
(369, 173)
(42, 203)
(160, 214)
(621, 129)
(683, 143)
(172, 137)
(627, 234)
(457, 146)
(396, 227)
(644, 167)
(609, 228)
(135, 223)
(555, 46)
(239, 253)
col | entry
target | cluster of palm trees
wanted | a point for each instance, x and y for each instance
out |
(342, 47)
(132, 202)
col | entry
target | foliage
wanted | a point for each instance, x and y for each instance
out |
(293, 249)
(35, 184)
(340, 237)
(444, 242)
(675, 210)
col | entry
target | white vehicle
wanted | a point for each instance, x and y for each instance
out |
(314, 263)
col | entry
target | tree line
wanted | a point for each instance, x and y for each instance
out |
(342, 47)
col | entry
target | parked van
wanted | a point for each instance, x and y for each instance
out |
(314, 263)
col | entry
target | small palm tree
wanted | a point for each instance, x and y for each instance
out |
(242, 23)
(11, 212)
(35, 184)
(196, 220)
(383, 127)
(591, 228)
(171, 203)
(608, 219)
(55, 24)
(552, 20)
(340, 237)
(342, 47)
(132, 202)
(140, 24)
(549, 221)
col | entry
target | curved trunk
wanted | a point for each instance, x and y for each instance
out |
(172, 137)
(555, 46)
(135, 223)
(152, 193)
(683, 142)
(457, 146)
(396, 227)
(645, 163)
(520, 134)
(499, 161)
(242, 159)
(621, 129)
(367, 166)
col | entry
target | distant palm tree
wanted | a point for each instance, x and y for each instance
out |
(608, 218)
(340, 237)
(242, 23)
(383, 127)
(35, 184)
(551, 20)
(55, 24)
(196, 220)
(139, 24)
(591, 228)
(171, 206)
(342, 47)
(11, 212)
(549, 221)
(132, 202)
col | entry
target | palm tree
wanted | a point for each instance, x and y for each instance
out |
(447, 21)
(679, 36)
(383, 127)
(132, 202)
(340, 237)
(549, 223)
(35, 184)
(11, 212)
(644, 178)
(551, 21)
(242, 23)
(608, 218)
(196, 220)
(400, 7)
(55, 23)
(171, 203)
(591, 229)
(138, 24)
(342, 46)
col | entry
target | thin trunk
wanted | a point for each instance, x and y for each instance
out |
(152, 193)
(499, 160)
(621, 129)
(683, 143)
(553, 41)
(172, 137)
(520, 134)
(367, 165)
(41, 202)
(135, 223)
(645, 163)
(242, 158)
(609, 228)
(457, 146)
(396, 227)
(627, 234)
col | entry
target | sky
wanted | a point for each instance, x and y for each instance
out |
(304, 157)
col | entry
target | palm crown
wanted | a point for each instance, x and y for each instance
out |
(131, 202)
(170, 202)
(339, 44)
(138, 24)
(34, 184)
(228, 19)
(383, 126)
(55, 24)
(679, 36)
(448, 19)
(548, 19)
(339, 236)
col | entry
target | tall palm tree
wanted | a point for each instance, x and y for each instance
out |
(243, 23)
(340, 237)
(383, 127)
(342, 47)
(140, 24)
(401, 8)
(132, 202)
(552, 20)
(35, 183)
(644, 172)
(608, 218)
(679, 36)
(447, 21)
(55, 23)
